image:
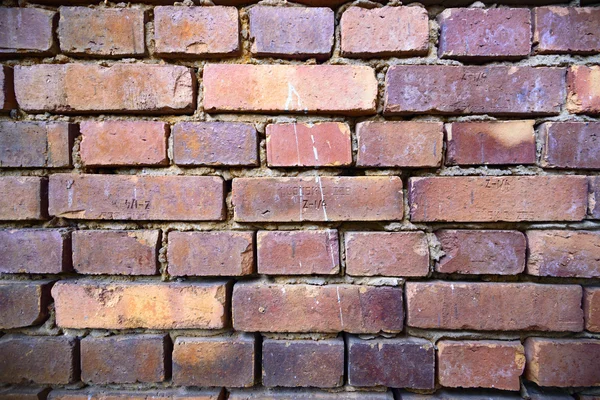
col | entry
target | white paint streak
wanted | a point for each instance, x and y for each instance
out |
(290, 98)
(337, 290)
(297, 145)
(314, 148)
(318, 178)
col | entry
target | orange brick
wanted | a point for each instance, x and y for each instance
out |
(23, 198)
(583, 85)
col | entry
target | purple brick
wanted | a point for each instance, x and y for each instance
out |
(566, 30)
(34, 251)
(571, 145)
(26, 31)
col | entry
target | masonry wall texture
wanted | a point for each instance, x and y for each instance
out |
(309, 200)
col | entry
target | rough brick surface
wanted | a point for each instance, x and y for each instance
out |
(499, 90)
(386, 31)
(594, 206)
(477, 252)
(307, 308)
(506, 142)
(399, 144)
(23, 303)
(33, 393)
(463, 395)
(571, 30)
(387, 253)
(131, 252)
(105, 32)
(7, 91)
(489, 306)
(192, 198)
(308, 395)
(384, 362)
(480, 364)
(335, 89)
(297, 252)
(26, 31)
(511, 198)
(321, 198)
(111, 305)
(571, 145)
(291, 32)
(583, 84)
(166, 394)
(23, 198)
(34, 251)
(591, 308)
(225, 253)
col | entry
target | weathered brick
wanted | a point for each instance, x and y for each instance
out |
(36, 144)
(26, 31)
(124, 359)
(128, 305)
(190, 198)
(564, 253)
(491, 306)
(22, 393)
(108, 394)
(399, 144)
(120, 88)
(303, 363)
(325, 198)
(535, 392)
(480, 364)
(594, 206)
(332, 89)
(23, 198)
(117, 143)
(130, 252)
(298, 252)
(566, 30)
(571, 145)
(23, 303)
(591, 308)
(34, 251)
(307, 394)
(398, 363)
(499, 90)
(38, 359)
(308, 308)
(490, 142)
(460, 395)
(7, 91)
(214, 361)
(583, 85)
(562, 362)
(107, 32)
(386, 31)
(324, 144)
(291, 32)
(211, 253)
(509, 198)
(387, 253)
(215, 143)
(475, 34)
(196, 31)
(481, 252)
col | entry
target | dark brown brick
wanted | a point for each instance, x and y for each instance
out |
(20, 393)
(23, 303)
(23, 198)
(7, 91)
(34, 251)
(563, 30)
(26, 31)
(571, 145)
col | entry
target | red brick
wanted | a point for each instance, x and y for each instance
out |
(34, 251)
(224, 253)
(307, 394)
(571, 145)
(400, 254)
(131, 252)
(196, 31)
(308, 308)
(124, 359)
(166, 394)
(583, 85)
(108, 32)
(214, 361)
(129, 305)
(120, 88)
(291, 32)
(298, 252)
(399, 144)
(490, 142)
(386, 31)
(594, 206)
(491, 306)
(591, 308)
(480, 364)
(215, 143)
(564, 253)
(399, 363)
(477, 252)
(38, 359)
(331, 89)
(23, 198)
(498, 90)
(509, 198)
(303, 363)
(7, 91)
(566, 30)
(36, 144)
(562, 362)
(26, 31)
(23, 303)
(325, 198)
(325, 144)
(189, 198)
(474, 34)
(20, 393)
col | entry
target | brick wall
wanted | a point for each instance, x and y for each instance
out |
(299, 201)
